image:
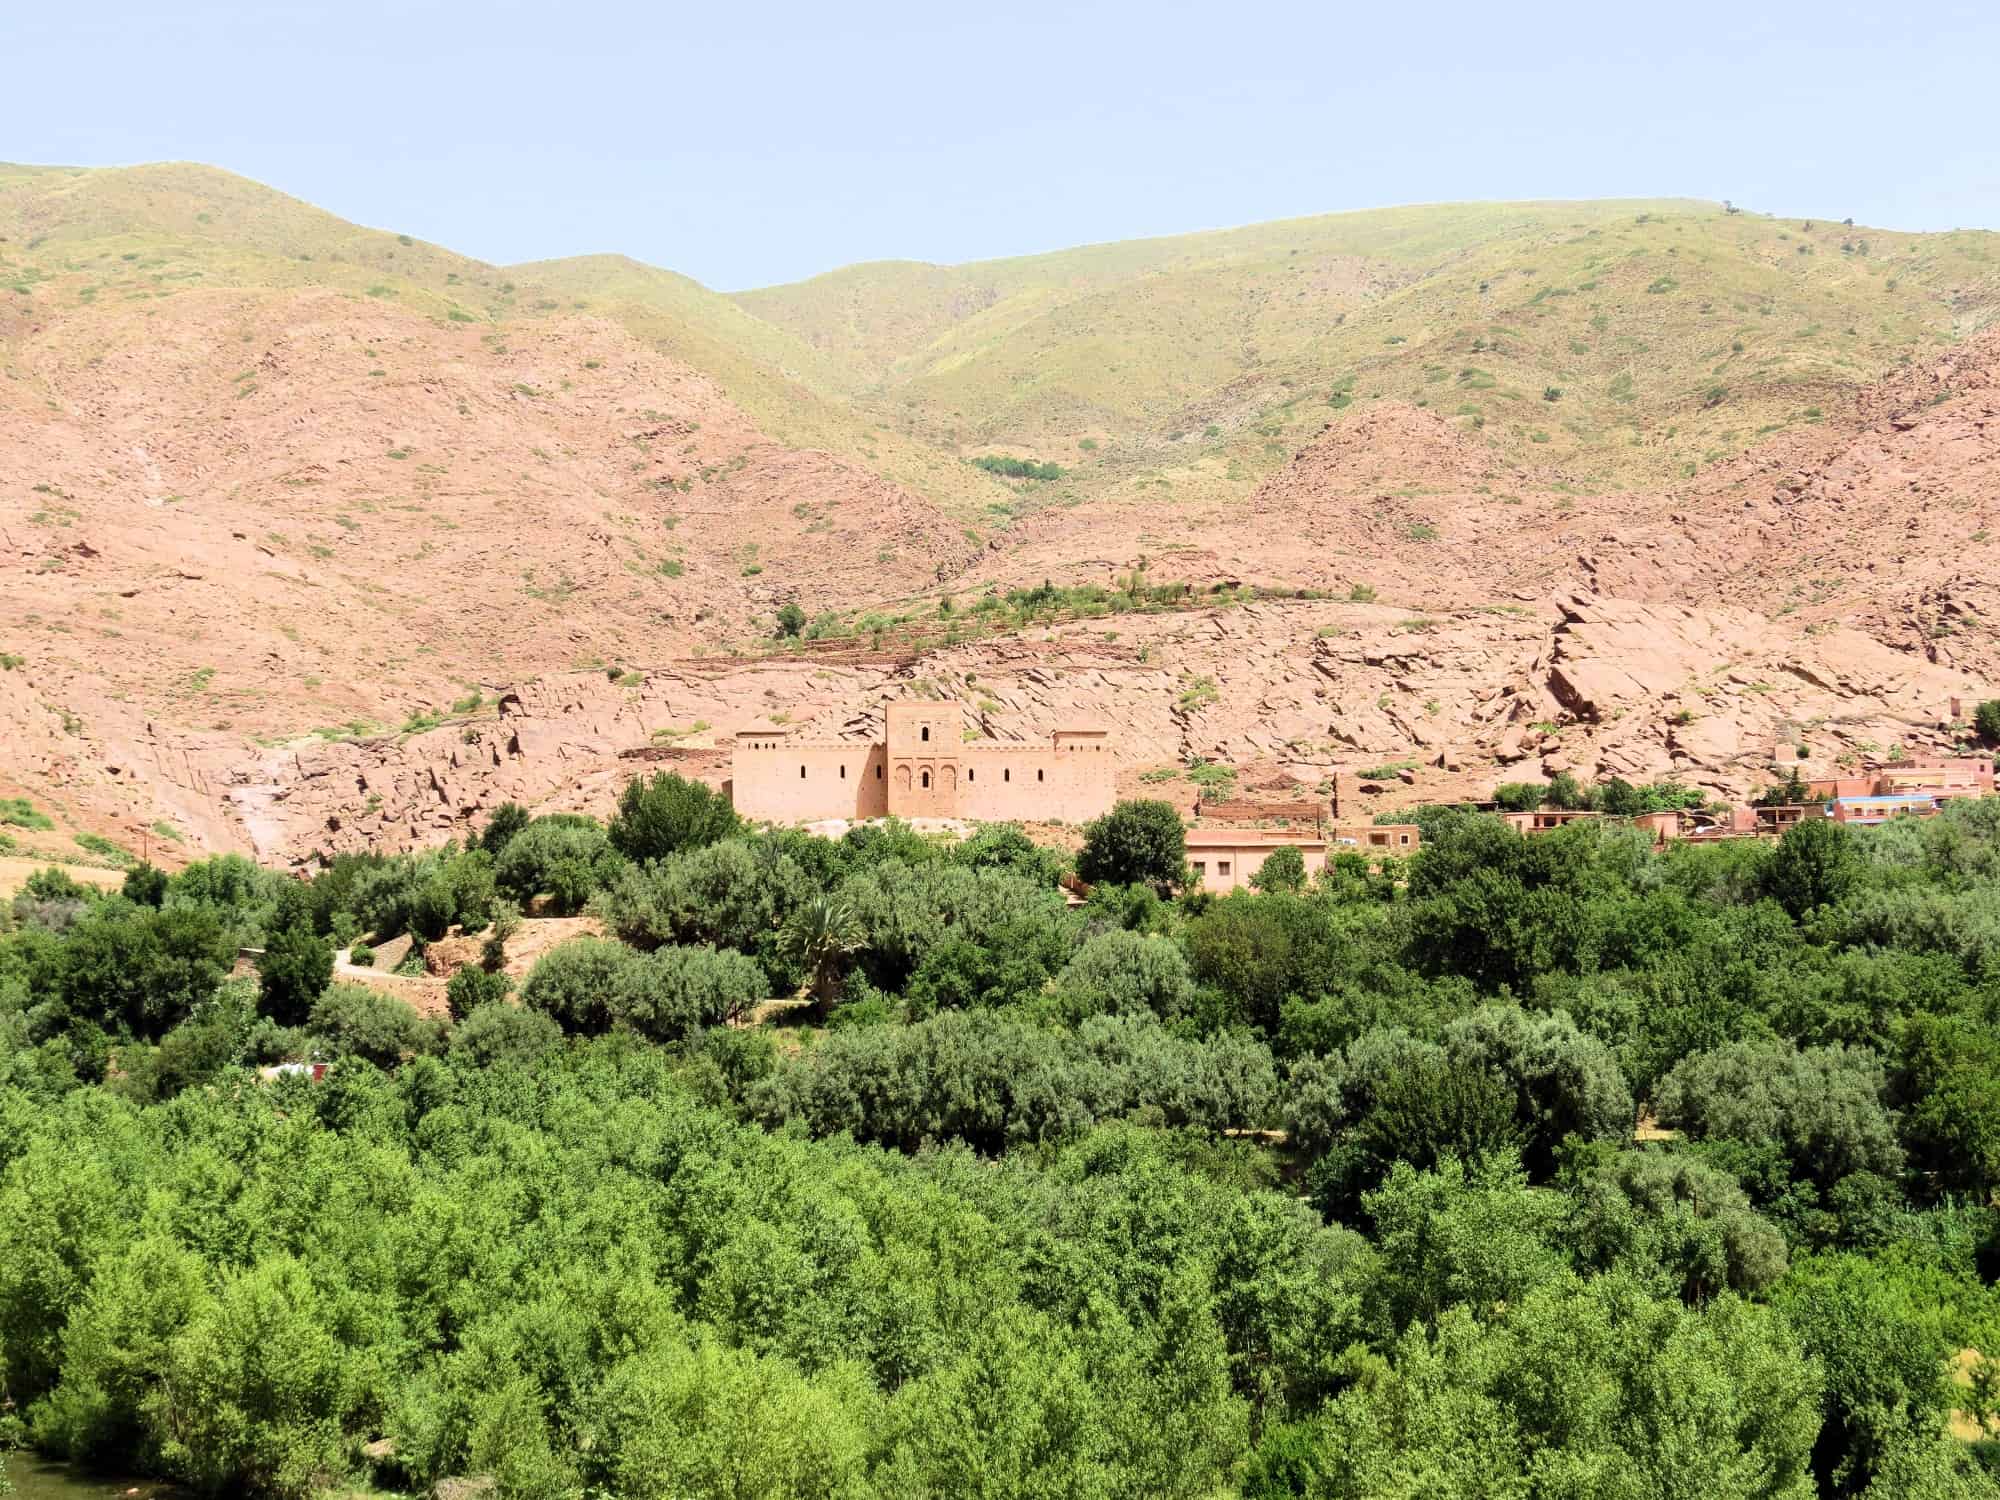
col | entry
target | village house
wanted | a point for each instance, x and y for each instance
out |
(1222, 860)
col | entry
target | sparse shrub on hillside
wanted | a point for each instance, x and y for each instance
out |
(1986, 719)
(1552, 393)
(19, 812)
(1361, 593)
(1017, 468)
(791, 622)
(508, 819)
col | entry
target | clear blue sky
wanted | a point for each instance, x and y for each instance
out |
(751, 143)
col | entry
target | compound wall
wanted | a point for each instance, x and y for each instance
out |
(804, 783)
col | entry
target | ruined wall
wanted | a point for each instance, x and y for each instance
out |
(803, 783)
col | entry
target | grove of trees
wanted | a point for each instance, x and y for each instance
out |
(1553, 1167)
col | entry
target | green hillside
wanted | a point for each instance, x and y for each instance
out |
(1620, 340)
(1621, 343)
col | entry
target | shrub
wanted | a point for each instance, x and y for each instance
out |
(1519, 796)
(501, 1033)
(791, 622)
(1815, 864)
(19, 812)
(1126, 973)
(1822, 1109)
(361, 956)
(575, 983)
(1137, 842)
(1284, 869)
(143, 971)
(735, 893)
(1986, 719)
(1017, 468)
(353, 1020)
(568, 859)
(508, 819)
(665, 813)
(591, 984)
(676, 991)
(293, 972)
(472, 987)
(145, 885)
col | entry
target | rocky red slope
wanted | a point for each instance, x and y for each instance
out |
(221, 527)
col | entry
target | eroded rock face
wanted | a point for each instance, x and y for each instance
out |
(1835, 589)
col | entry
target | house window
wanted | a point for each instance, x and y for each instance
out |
(1222, 867)
(878, 773)
(802, 773)
(927, 779)
(1200, 868)
(968, 773)
(1403, 838)
(1038, 773)
(1007, 774)
(924, 733)
(843, 773)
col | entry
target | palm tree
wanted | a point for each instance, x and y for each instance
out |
(818, 937)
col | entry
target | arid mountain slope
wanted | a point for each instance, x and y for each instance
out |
(316, 537)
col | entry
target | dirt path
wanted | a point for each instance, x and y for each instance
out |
(424, 994)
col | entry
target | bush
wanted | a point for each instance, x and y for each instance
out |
(676, 991)
(145, 885)
(1986, 719)
(472, 987)
(293, 972)
(1125, 973)
(1821, 1109)
(735, 894)
(1674, 1219)
(1815, 864)
(502, 1033)
(142, 972)
(361, 956)
(567, 859)
(1137, 842)
(508, 819)
(664, 814)
(791, 622)
(1519, 796)
(352, 1020)
(1284, 869)
(574, 984)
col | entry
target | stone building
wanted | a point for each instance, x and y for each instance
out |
(924, 768)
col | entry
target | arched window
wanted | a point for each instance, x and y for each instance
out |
(924, 733)
(1007, 773)
(927, 780)
(1038, 773)
(968, 773)
(802, 773)
(843, 773)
